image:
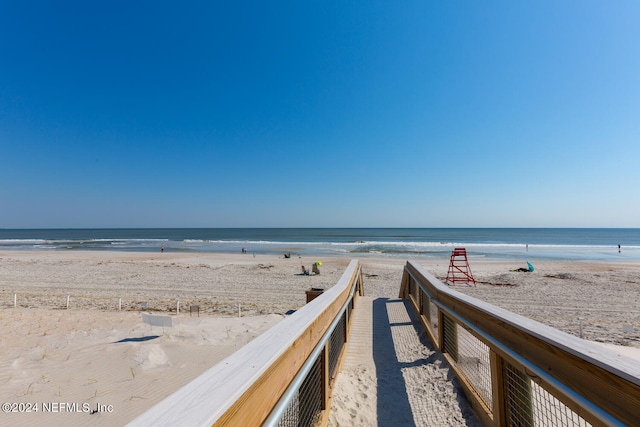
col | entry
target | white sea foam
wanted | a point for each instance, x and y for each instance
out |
(21, 241)
(352, 242)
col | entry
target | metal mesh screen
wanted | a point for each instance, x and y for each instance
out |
(336, 343)
(424, 306)
(305, 408)
(450, 332)
(433, 319)
(528, 404)
(474, 361)
(412, 288)
(549, 411)
(518, 399)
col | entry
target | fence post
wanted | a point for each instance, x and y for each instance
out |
(67, 302)
(325, 376)
(120, 304)
(177, 306)
(15, 300)
(581, 319)
(497, 389)
(404, 284)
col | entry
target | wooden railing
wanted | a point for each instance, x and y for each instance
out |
(284, 376)
(518, 372)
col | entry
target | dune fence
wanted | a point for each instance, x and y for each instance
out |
(150, 303)
(518, 372)
(283, 377)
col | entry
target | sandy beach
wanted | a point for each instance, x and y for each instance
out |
(100, 352)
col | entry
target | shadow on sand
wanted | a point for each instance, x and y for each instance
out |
(139, 339)
(393, 399)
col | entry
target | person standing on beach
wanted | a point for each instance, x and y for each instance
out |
(618, 247)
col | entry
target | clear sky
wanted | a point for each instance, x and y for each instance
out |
(319, 114)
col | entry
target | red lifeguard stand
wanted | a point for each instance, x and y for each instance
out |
(459, 270)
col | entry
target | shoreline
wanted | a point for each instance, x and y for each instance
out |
(597, 244)
(505, 253)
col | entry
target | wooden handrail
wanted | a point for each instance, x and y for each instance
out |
(244, 388)
(591, 379)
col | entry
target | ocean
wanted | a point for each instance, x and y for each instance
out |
(410, 243)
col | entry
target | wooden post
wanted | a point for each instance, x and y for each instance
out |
(67, 302)
(15, 300)
(325, 377)
(239, 315)
(497, 389)
(177, 306)
(403, 285)
(120, 304)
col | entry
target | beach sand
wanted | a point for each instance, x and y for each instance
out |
(92, 353)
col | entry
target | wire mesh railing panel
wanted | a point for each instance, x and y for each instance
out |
(412, 288)
(291, 415)
(306, 406)
(424, 304)
(529, 404)
(450, 337)
(433, 319)
(549, 411)
(475, 363)
(518, 398)
(336, 343)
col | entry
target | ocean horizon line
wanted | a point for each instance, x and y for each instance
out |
(323, 228)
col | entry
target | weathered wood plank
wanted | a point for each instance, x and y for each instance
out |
(497, 380)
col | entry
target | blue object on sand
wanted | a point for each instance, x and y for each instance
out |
(530, 266)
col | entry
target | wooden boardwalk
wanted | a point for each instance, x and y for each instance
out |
(392, 375)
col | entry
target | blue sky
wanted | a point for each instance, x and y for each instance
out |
(320, 114)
